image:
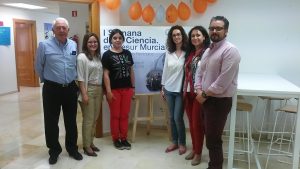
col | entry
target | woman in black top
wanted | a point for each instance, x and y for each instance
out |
(119, 84)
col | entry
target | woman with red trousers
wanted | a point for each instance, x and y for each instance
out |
(198, 42)
(119, 84)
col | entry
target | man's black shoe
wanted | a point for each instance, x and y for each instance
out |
(76, 155)
(118, 145)
(126, 145)
(53, 159)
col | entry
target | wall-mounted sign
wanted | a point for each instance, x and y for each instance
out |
(74, 13)
(48, 30)
(5, 36)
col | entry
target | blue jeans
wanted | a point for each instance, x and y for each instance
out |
(175, 105)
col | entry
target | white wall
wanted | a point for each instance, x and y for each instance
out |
(77, 24)
(266, 32)
(7, 53)
(109, 17)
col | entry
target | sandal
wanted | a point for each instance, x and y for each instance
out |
(89, 152)
(171, 148)
(196, 160)
(94, 148)
(190, 156)
(182, 149)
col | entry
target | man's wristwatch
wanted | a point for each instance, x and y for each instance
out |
(204, 95)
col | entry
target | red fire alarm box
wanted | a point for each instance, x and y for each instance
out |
(74, 13)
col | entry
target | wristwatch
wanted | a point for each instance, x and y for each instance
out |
(204, 95)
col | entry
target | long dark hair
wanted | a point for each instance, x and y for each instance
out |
(113, 32)
(206, 42)
(171, 47)
(85, 49)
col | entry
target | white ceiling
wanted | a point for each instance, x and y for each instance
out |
(52, 6)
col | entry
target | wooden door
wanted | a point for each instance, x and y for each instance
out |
(25, 48)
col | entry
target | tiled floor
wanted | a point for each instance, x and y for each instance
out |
(22, 143)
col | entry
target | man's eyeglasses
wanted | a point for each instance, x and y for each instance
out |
(215, 28)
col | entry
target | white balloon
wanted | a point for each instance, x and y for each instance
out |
(160, 14)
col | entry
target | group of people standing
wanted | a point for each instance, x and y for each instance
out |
(198, 77)
(65, 74)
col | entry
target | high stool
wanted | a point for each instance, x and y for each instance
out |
(247, 148)
(285, 137)
(267, 130)
(150, 117)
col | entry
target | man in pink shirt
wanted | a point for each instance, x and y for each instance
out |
(216, 83)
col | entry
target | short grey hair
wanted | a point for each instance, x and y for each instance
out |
(60, 19)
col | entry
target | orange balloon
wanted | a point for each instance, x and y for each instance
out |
(112, 4)
(200, 5)
(135, 11)
(148, 14)
(184, 11)
(211, 1)
(171, 14)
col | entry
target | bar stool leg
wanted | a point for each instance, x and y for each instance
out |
(246, 139)
(272, 138)
(268, 129)
(249, 139)
(261, 126)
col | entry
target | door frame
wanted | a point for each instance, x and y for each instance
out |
(34, 43)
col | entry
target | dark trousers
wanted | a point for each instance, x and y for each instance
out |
(56, 97)
(215, 111)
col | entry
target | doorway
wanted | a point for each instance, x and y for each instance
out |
(25, 48)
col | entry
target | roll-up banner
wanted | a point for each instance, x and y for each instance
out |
(147, 45)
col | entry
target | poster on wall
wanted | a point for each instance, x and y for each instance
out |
(147, 45)
(48, 30)
(5, 36)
